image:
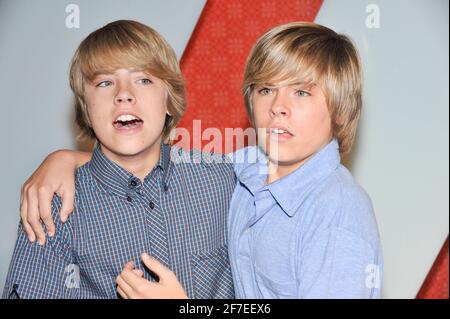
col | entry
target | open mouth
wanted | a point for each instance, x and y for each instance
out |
(127, 121)
(277, 131)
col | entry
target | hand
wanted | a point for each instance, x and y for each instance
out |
(54, 175)
(132, 285)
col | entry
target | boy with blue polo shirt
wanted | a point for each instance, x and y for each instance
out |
(300, 226)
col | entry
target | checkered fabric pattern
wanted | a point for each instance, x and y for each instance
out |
(177, 214)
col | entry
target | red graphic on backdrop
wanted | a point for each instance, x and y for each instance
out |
(213, 62)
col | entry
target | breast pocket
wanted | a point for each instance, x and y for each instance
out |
(212, 274)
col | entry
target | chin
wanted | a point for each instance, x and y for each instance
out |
(280, 152)
(286, 160)
(288, 156)
(128, 151)
(129, 148)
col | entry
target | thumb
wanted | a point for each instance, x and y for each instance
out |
(68, 198)
(154, 265)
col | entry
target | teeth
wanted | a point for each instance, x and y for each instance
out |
(277, 131)
(126, 117)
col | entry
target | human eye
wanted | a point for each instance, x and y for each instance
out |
(264, 91)
(104, 83)
(302, 93)
(145, 81)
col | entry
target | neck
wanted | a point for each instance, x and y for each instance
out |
(278, 171)
(141, 164)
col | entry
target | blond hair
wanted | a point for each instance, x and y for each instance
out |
(309, 53)
(126, 44)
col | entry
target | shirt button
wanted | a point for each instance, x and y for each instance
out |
(133, 183)
(166, 188)
(129, 199)
(151, 204)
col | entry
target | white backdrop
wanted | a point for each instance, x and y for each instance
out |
(401, 155)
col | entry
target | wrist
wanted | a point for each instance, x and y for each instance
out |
(74, 158)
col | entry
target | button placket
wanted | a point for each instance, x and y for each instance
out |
(157, 228)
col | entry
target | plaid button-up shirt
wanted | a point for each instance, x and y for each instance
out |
(178, 214)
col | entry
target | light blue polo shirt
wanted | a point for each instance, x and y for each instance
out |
(310, 234)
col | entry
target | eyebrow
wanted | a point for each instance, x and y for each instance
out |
(305, 85)
(97, 74)
(101, 72)
(106, 73)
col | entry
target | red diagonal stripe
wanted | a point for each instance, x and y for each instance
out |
(435, 285)
(214, 59)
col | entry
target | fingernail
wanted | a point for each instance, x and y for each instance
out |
(51, 234)
(31, 238)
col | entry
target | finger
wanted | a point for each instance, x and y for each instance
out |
(122, 293)
(26, 226)
(138, 272)
(29, 231)
(132, 279)
(21, 194)
(33, 216)
(45, 209)
(129, 265)
(68, 198)
(155, 266)
(122, 284)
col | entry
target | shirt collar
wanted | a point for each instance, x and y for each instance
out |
(292, 190)
(118, 180)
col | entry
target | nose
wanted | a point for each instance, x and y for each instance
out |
(280, 104)
(124, 95)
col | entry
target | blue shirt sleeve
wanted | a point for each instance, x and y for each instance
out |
(43, 271)
(338, 264)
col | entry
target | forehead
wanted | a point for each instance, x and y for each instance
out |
(109, 60)
(278, 76)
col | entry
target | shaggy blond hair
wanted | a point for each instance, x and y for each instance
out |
(131, 45)
(309, 53)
